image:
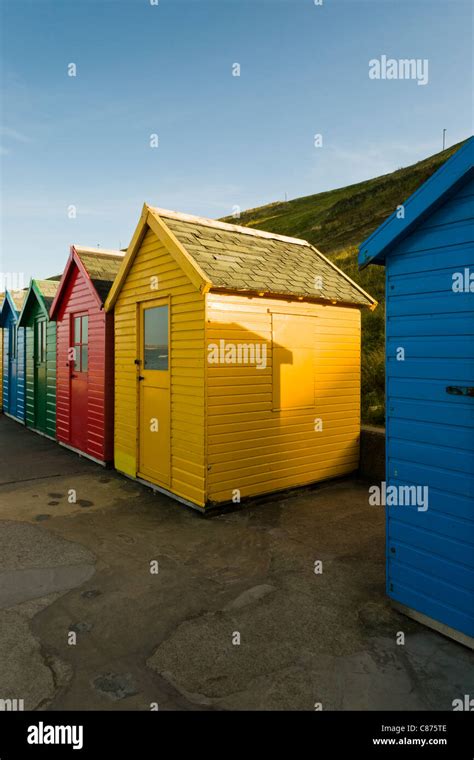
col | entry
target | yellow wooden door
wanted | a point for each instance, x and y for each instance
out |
(154, 392)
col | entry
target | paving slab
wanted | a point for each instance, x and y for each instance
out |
(33, 460)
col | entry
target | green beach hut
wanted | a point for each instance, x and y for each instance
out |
(40, 334)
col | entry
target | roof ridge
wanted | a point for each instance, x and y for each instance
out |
(206, 222)
(44, 280)
(106, 252)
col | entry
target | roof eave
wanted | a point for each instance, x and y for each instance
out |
(184, 260)
(127, 260)
(371, 302)
(150, 219)
(33, 288)
(74, 259)
(420, 204)
(301, 298)
(11, 305)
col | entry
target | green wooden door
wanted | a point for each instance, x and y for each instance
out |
(40, 374)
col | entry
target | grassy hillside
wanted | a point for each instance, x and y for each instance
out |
(336, 222)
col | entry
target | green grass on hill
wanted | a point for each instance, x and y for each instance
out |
(336, 222)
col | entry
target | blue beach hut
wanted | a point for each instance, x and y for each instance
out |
(427, 248)
(13, 355)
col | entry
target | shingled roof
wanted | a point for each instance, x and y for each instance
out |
(237, 259)
(47, 289)
(102, 266)
(221, 256)
(18, 298)
(99, 264)
(41, 291)
(11, 300)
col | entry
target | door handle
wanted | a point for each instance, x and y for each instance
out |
(140, 377)
(460, 390)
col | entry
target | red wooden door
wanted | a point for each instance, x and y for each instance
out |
(79, 363)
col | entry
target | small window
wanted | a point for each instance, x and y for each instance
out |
(84, 358)
(81, 338)
(41, 342)
(13, 341)
(77, 330)
(293, 343)
(155, 329)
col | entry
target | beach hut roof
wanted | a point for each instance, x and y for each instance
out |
(14, 300)
(44, 292)
(99, 267)
(228, 257)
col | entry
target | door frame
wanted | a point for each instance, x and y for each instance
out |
(71, 344)
(150, 301)
(13, 371)
(36, 322)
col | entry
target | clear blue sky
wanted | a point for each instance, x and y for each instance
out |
(223, 140)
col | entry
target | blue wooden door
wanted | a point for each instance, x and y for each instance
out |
(12, 368)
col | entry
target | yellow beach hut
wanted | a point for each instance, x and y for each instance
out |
(237, 361)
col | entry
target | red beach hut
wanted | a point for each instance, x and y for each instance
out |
(85, 353)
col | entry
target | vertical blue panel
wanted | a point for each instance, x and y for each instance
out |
(12, 367)
(21, 372)
(430, 431)
(6, 379)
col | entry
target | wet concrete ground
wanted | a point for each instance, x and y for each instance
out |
(85, 624)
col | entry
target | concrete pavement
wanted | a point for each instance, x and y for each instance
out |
(235, 617)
